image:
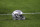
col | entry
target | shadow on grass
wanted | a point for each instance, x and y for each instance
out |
(5, 19)
(12, 19)
(28, 19)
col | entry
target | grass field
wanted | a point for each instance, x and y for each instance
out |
(27, 6)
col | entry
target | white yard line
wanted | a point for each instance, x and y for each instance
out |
(5, 14)
(32, 13)
(23, 13)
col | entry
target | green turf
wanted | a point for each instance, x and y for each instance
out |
(31, 21)
(27, 6)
